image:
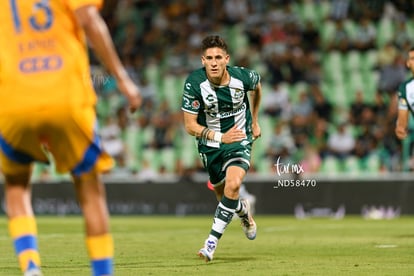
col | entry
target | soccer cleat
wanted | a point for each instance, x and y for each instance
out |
(247, 222)
(207, 251)
(33, 272)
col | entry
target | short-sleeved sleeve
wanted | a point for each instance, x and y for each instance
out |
(402, 101)
(76, 4)
(191, 101)
(249, 77)
(254, 79)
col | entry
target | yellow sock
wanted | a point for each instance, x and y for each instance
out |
(23, 231)
(101, 252)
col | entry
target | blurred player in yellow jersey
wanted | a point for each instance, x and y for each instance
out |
(48, 104)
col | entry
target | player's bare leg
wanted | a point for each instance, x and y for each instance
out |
(228, 205)
(90, 192)
(219, 191)
(22, 222)
(231, 190)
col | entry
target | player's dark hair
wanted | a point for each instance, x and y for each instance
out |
(213, 41)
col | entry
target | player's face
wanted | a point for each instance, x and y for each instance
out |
(410, 61)
(215, 61)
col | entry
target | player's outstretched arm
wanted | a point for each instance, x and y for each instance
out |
(95, 28)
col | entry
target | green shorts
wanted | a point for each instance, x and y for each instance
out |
(216, 160)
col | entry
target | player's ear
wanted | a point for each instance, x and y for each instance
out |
(203, 60)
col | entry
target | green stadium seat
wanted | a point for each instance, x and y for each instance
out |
(333, 65)
(352, 61)
(326, 30)
(385, 31)
(295, 90)
(263, 166)
(236, 38)
(266, 88)
(410, 29)
(153, 157)
(172, 91)
(369, 60)
(134, 143)
(350, 27)
(339, 95)
(188, 154)
(38, 170)
(152, 72)
(309, 11)
(146, 136)
(168, 160)
(103, 109)
(370, 80)
(352, 165)
(260, 146)
(45, 172)
(354, 83)
(373, 163)
(323, 9)
(330, 165)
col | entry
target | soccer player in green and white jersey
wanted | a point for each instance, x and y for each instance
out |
(405, 99)
(218, 113)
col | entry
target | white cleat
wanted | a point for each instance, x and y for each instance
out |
(207, 251)
(247, 222)
(33, 272)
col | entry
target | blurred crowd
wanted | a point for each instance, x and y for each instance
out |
(329, 68)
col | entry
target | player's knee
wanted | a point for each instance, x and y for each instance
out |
(233, 184)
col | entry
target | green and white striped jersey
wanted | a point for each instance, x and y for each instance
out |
(406, 95)
(221, 107)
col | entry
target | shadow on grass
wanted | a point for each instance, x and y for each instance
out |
(231, 259)
(197, 262)
(405, 236)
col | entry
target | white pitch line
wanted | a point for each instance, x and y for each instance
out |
(386, 246)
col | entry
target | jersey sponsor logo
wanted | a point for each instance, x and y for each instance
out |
(224, 213)
(403, 102)
(40, 64)
(254, 77)
(195, 104)
(211, 108)
(187, 86)
(238, 94)
(228, 114)
(190, 104)
(186, 102)
(210, 98)
(188, 95)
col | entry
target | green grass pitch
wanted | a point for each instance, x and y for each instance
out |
(167, 245)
